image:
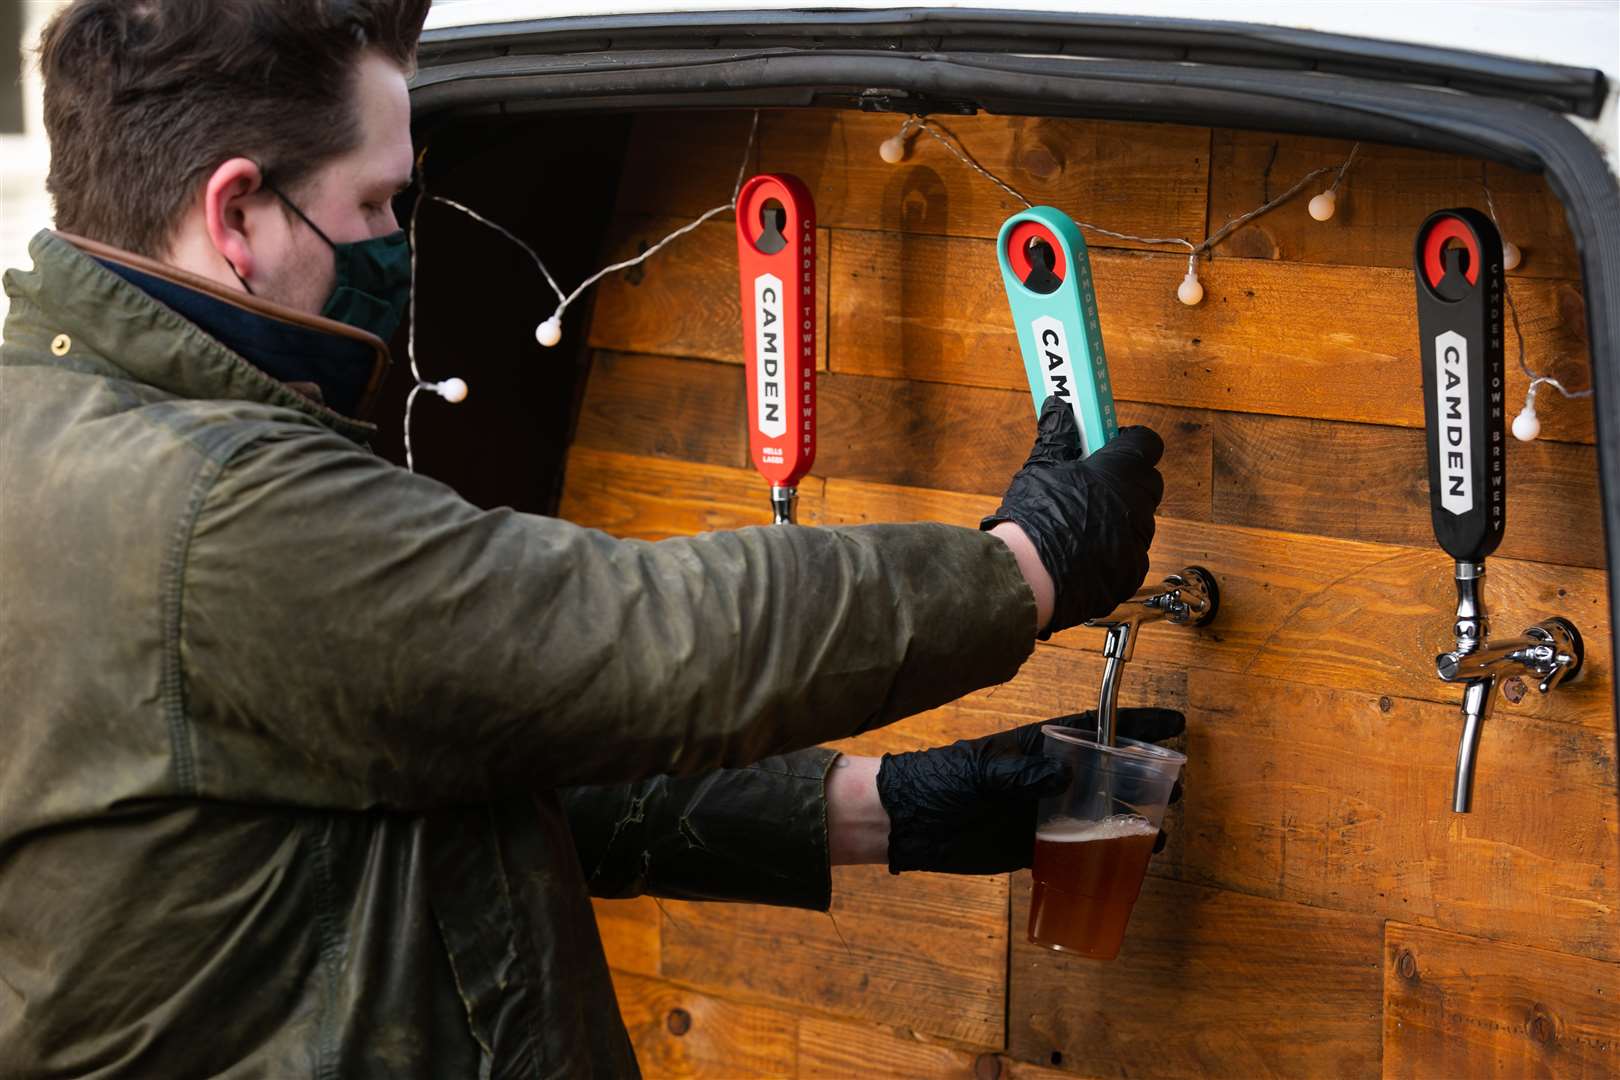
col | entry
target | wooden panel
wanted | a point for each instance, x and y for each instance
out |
(926, 952)
(894, 431)
(838, 1050)
(1147, 179)
(1317, 610)
(688, 409)
(1343, 799)
(1457, 1006)
(684, 301)
(646, 498)
(1282, 473)
(1386, 195)
(629, 930)
(961, 438)
(1366, 482)
(679, 1032)
(1331, 342)
(1208, 983)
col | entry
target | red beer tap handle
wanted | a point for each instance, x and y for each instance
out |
(776, 266)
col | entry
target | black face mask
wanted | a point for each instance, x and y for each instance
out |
(372, 285)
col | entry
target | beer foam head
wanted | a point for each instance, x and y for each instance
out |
(1067, 830)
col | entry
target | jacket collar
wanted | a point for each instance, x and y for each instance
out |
(128, 327)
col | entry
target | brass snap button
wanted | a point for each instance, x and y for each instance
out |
(60, 344)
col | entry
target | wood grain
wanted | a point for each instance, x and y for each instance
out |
(1144, 179)
(838, 1050)
(1385, 196)
(645, 498)
(892, 431)
(923, 951)
(1370, 482)
(1282, 473)
(1318, 610)
(1132, 178)
(679, 1032)
(961, 438)
(1342, 799)
(691, 410)
(1459, 1006)
(1321, 744)
(1208, 983)
(629, 930)
(685, 300)
(932, 309)
(1336, 343)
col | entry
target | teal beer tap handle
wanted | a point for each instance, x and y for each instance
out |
(1047, 273)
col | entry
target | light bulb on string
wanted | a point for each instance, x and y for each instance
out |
(1511, 255)
(452, 390)
(1527, 425)
(1323, 205)
(1190, 291)
(549, 332)
(895, 148)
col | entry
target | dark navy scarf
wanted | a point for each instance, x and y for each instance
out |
(287, 352)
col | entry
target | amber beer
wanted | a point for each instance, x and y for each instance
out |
(1087, 875)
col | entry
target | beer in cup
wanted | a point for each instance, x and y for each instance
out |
(1093, 841)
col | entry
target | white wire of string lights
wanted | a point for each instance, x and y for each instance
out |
(895, 148)
(549, 332)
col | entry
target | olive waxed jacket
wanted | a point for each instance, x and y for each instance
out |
(287, 733)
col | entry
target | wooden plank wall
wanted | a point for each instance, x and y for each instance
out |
(1319, 911)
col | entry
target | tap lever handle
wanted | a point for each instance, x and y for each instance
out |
(1046, 271)
(1458, 263)
(1566, 641)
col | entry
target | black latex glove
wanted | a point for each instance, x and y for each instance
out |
(1091, 520)
(969, 808)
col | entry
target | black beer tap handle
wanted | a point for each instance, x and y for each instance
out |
(1458, 264)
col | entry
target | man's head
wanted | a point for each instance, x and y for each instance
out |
(168, 118)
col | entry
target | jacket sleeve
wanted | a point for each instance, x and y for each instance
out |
(756, 834)
(357, 635)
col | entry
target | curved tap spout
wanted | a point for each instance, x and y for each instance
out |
(1189, 598)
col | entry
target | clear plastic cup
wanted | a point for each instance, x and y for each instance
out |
(1093, 841)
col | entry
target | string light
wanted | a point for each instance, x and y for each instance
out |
(1321, 206)
(452, 390)
(1526, 425)
(1191, 290)
(896, 148)
(549, 332)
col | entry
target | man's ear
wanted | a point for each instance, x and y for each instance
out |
(230, 194)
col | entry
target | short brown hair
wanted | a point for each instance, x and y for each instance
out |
(145, 98)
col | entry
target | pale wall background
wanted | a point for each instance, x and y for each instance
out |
(24, 206)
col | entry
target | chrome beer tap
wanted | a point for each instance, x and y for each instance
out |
(1551, 652)
(1189, 598)
(1458, 264)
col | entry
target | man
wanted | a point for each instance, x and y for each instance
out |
(311, 766)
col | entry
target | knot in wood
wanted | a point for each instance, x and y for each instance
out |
(1543, 1028)
(1041, 163)
(1406, 966)
(987, 1067)
(679, 1021)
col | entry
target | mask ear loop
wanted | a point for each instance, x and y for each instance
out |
(289, 204)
